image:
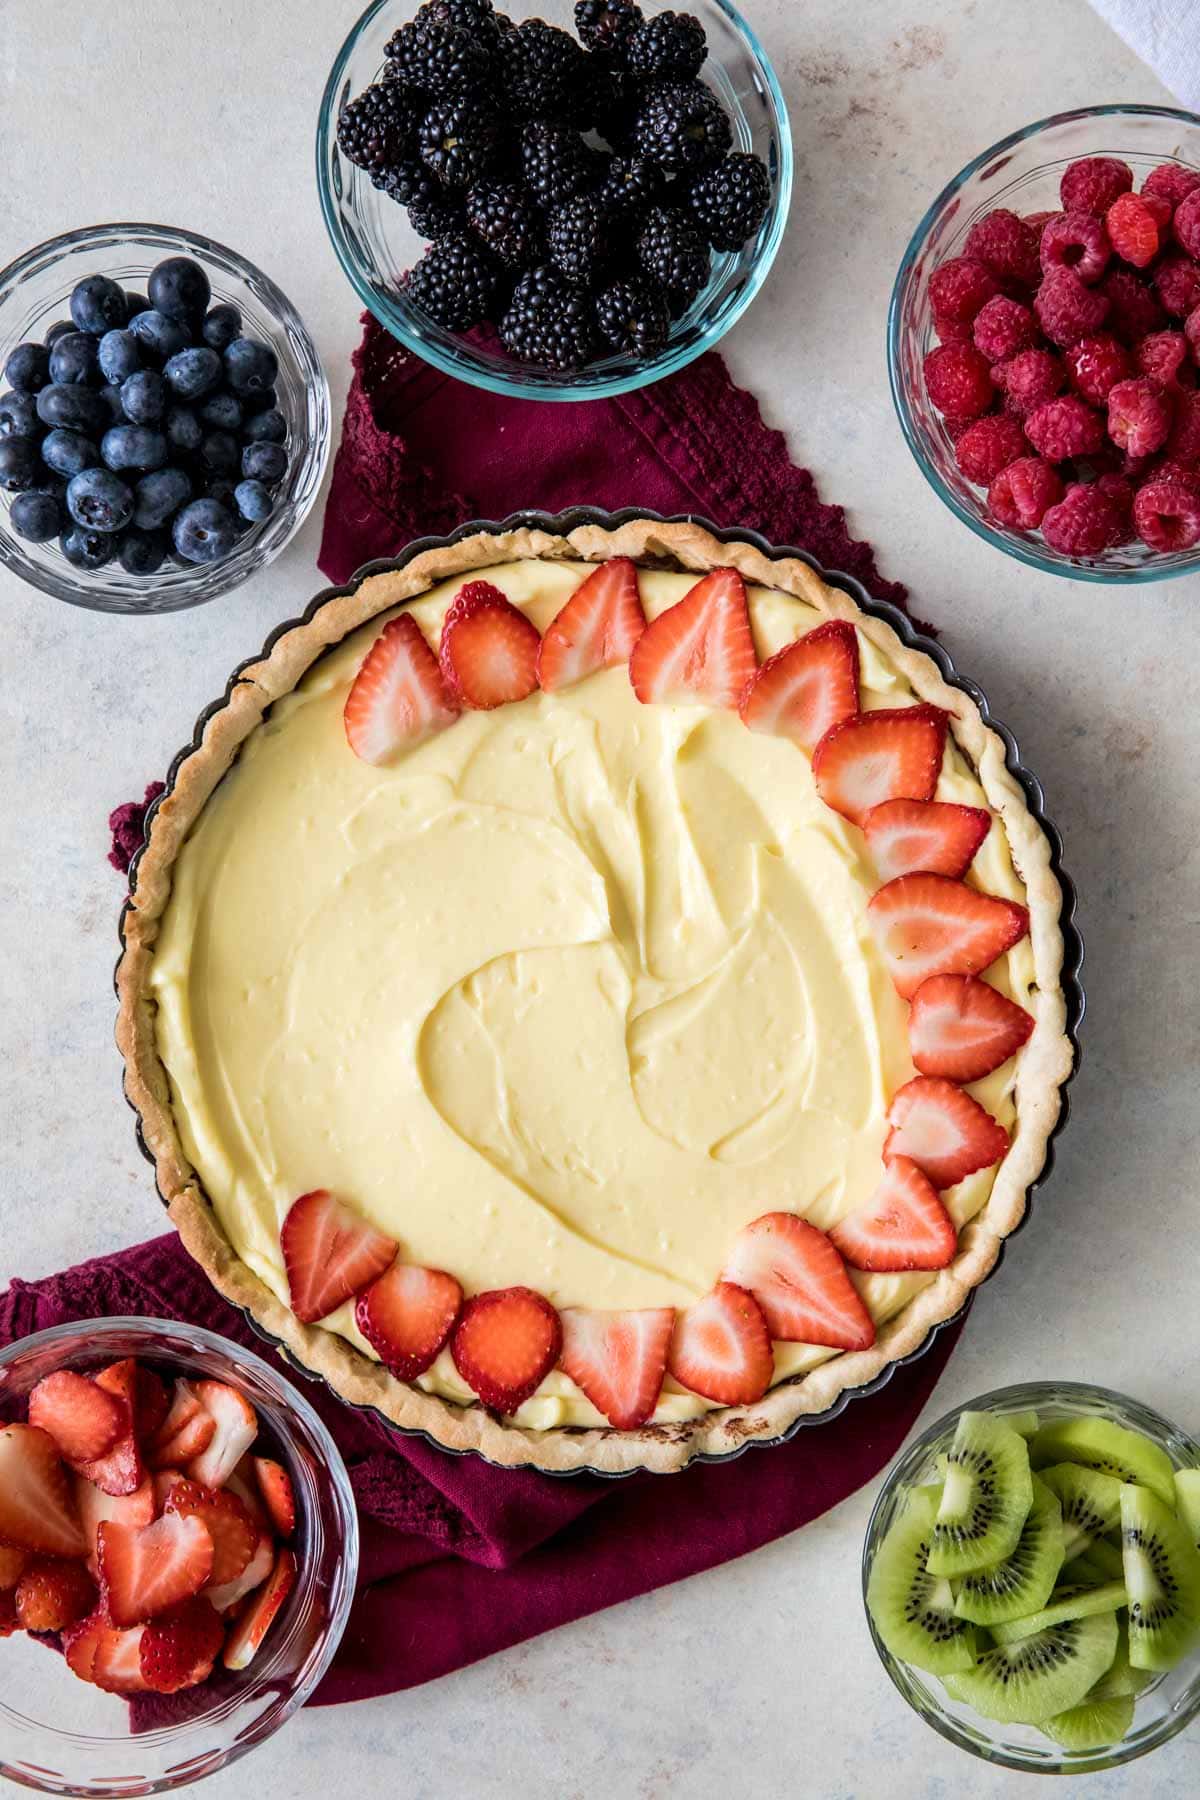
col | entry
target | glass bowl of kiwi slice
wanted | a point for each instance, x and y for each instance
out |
(1032, 1577)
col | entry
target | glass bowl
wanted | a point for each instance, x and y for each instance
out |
(376, 244)
(1164, 1708)
(34, 292)
(1022, 173)
(62, 1736)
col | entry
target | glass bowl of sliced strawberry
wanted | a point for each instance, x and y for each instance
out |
(178, 1552)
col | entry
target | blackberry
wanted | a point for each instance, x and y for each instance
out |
(477, 17)
(578, 238)
(633, 316)
(505, 217)
(729, 201)
(669, 47)
(453, 284)
(459, 141)
(439, 59)
(549, 320)
(435, 215)
(681, 125)
(540, 69)
(605, 26)
(378, 130)
(555, 162)
(671, 251)
(630, 182)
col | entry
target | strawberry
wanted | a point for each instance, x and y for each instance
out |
(244, 1483)
(699, 650)
(398, 697)
(597, 627)
(121, 1470)
(904, 836)
(893, 754)
(251, 1577)
(144, 1570)
(13, 1563)
(721, 1347)
(959, 1027)
(94, 1505)
(237, 1428)
(233, 1531)
(37, 1507)
(489, 650)
(932, 925)
(407, 1316)
(53, 1594)
(504, 1345)
(329, 1254)
(82, 1419)
(256, 1621)
(179, 1648)
(97, 1651)
(275, 1485)
(800, 1282)
(618, 1359)
(184, 1433)
(806, 688)
(165, 1483)
(903, 1225)
(946, 1133)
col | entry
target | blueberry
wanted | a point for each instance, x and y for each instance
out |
(77, 408)
(99, 501)
(57, 330)
(268, 427)
(87, 549)
(159, 336)
(251, 367)
(133, 447)
(193, 372)
(111, 397)
(222, 325)
(266, 401)
(219, 452)
(184, 430)
(144, 397)
(69, 453)
(18, 416)
(98, 305)
(20, 464)
(142, 552)
(27, 368)
(158, 495)
(36, 516)
(264, 462)
(204, 532)
(179, 287)
(73, 357)
(253, 501)
(222, 412)
(135, 304)
(220, 487)
(118, 355)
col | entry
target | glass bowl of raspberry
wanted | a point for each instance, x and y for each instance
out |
(551, 200)
(1044, 344)
(196, 1575)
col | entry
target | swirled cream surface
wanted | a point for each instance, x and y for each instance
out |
(565, 996)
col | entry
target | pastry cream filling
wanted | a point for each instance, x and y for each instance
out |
(565, 996)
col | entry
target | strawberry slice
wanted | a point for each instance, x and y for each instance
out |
(179, 1648)
(94, 1505)
(275, 1486)
(597, 627)
(398, 697)
(489, 650)
(97, 1651)
(251, 1577)
(959, 1027)
(244, 1483)
(700, 649)
(806, 688)
(13, 1563)
(932, 925)
(505, 1343)
(407, 1315)
(53, 1594)
(144, 1570)
(250, 1630)
(893, 754)
(37, 1507)
(233, 1532)
(721, 1347)
(618, 1359)
(121, 1470)
(905, 836)
(903, 1225)
(237, 1428)
(184, 1433)
(330, 1254)
(82, 1419)
(800, 1282)
(946, 1133)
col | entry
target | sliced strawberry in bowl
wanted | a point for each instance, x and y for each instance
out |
(94, 1505)
(399, 696)
(102, 1653)
(54, 1593)
(943, 1130)
(145, 1570)
(236, 1429)
(618, 1359)
(806, 688)
(701, 650)
(934, 836)
(891, 754)
(330, 1253)
(595, 629)
(278, 1495)
(489, 649)
(962, 1028)
(179, 1648)
(121, 1470)
(800, 1282)
(721, 1347)
(234, 1533)
(225, 1598)
(37, 1504)
(505, 1343)
(184, 1433)
(903, 1225)
(247, 1635)
(933, 925)
(83, 1420)
(407, 1316)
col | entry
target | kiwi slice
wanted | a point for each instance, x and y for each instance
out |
(1162, 1573)
(1091, 1504)
(913, 1611)
(1039, 1676)
(1099, 1444)
(1187, 1500)
(1092, 1724)
(1065, 1603)
(1023, 1581)
(986, 1497)
(1122, 1678)
(1024, 1423)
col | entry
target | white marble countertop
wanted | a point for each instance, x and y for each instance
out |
(759, 1677)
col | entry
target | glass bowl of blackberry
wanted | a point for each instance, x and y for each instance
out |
(559, 206)
(164, 418)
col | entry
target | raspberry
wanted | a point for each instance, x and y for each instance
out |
(1093, 183)
(952, 331)
(1133, 230)
(1029, 380)
(954, 429)
(1075, 240)
(1085, 521)
(1177, 283)
(1160, 211)
(1164, 468)
(1162, 354)
(1006, 245)
(1166, 515)
(1184, 441)
(1065, 428)
(1187, 223)
(1067, 309)
(1120, 491)
(957, 380)
(1004, 326)
(1022, 493)
(1171, 183)
(1096, 364)
(1139, 416)
(1191, 331)
(1133, 311)
(988, 446)
(958, 289)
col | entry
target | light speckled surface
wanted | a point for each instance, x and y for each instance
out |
(759, 1677)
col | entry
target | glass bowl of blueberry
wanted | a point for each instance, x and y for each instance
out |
(558, 207)
(164, 418)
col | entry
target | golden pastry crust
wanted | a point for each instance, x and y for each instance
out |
(1044, 1066)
